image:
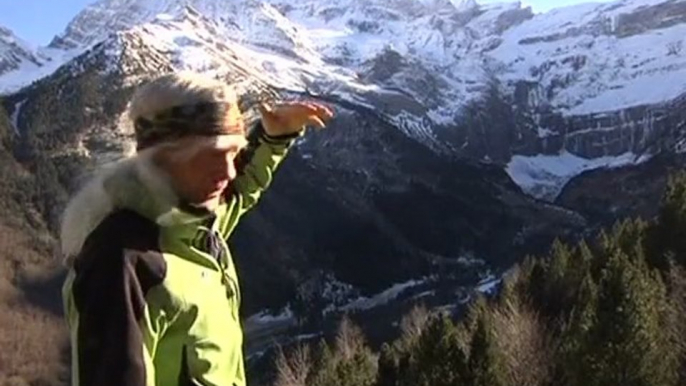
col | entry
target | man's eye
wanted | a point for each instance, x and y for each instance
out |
(223, 155)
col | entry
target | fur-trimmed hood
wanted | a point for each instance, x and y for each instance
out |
(134, 183)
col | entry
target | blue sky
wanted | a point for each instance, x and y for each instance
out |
(37, 21)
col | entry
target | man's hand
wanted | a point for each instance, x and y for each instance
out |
(290, 118)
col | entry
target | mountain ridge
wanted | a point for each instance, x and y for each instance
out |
(563, 70)
(434, 178)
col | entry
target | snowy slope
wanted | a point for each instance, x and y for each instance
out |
(416, 63)
(319, 33)
(27, 71)
(578, 48)
(544, 176)
(14, 51)
(16, 54)
(572, 52)
(201, 44)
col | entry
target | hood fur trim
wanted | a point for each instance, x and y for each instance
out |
(134, 183)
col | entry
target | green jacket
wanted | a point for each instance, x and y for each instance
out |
(152, 295)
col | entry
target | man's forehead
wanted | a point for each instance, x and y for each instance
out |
(228, 142)
(233, 115)
(220, 143)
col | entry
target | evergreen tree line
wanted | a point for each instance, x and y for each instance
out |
(608, 311)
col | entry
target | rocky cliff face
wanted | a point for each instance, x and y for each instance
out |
(571, 80)
(605, 195)
(360, 197)
(559, 67)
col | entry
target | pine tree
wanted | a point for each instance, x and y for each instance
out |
(484, 367)
(520, 279)
(627, 236)
(414, 323)
(554, 281)
(583, 257)
(606, 248)
(438, 359)
(350, 363)
(394, 358)
(434, 358)
(537, 287)
(323, 370)
(677, 314)
(389, 373)
(628, 344)
(667, 237)
(559, 289)
(509, 289)
(576, 345)
(475, 311)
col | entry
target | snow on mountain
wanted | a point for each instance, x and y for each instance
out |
(98, 20)
(244, 19)
(416, 63)
(488, 284)
(350, 32)
(17, 58)
(26, 72)
(587, 61)
(264, 317)
(458, 42)
(201, 44)
(14, 52)
(573, 52)
(465, 5)
(544, 176)
(365, 303)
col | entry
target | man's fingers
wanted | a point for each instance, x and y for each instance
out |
(316, 121)
(322, 110)
(264, 108)
(296, 114)
(325, 111)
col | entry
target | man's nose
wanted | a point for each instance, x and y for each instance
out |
(231, 171)
(226, 168)
(224, 171)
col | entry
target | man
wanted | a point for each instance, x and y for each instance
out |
(152, 295)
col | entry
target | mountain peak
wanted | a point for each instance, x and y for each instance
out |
(15, 52)
(465, 5)
(100, 19)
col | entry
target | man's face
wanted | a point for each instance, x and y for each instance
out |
(201, 175)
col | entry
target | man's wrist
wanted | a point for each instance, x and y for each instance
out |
(277, 138)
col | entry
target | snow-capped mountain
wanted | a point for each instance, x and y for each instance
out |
(588, 85)
(440, 104)
(359, 176)
(16, 53)
(587, 58)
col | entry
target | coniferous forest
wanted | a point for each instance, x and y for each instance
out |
(607, 311)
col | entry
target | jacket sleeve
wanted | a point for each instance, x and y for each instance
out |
(257, 162)
(112, 332)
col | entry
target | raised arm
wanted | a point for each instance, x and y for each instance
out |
(257, 162)
(268, 144)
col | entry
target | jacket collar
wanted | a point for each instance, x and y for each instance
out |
(137, 184)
